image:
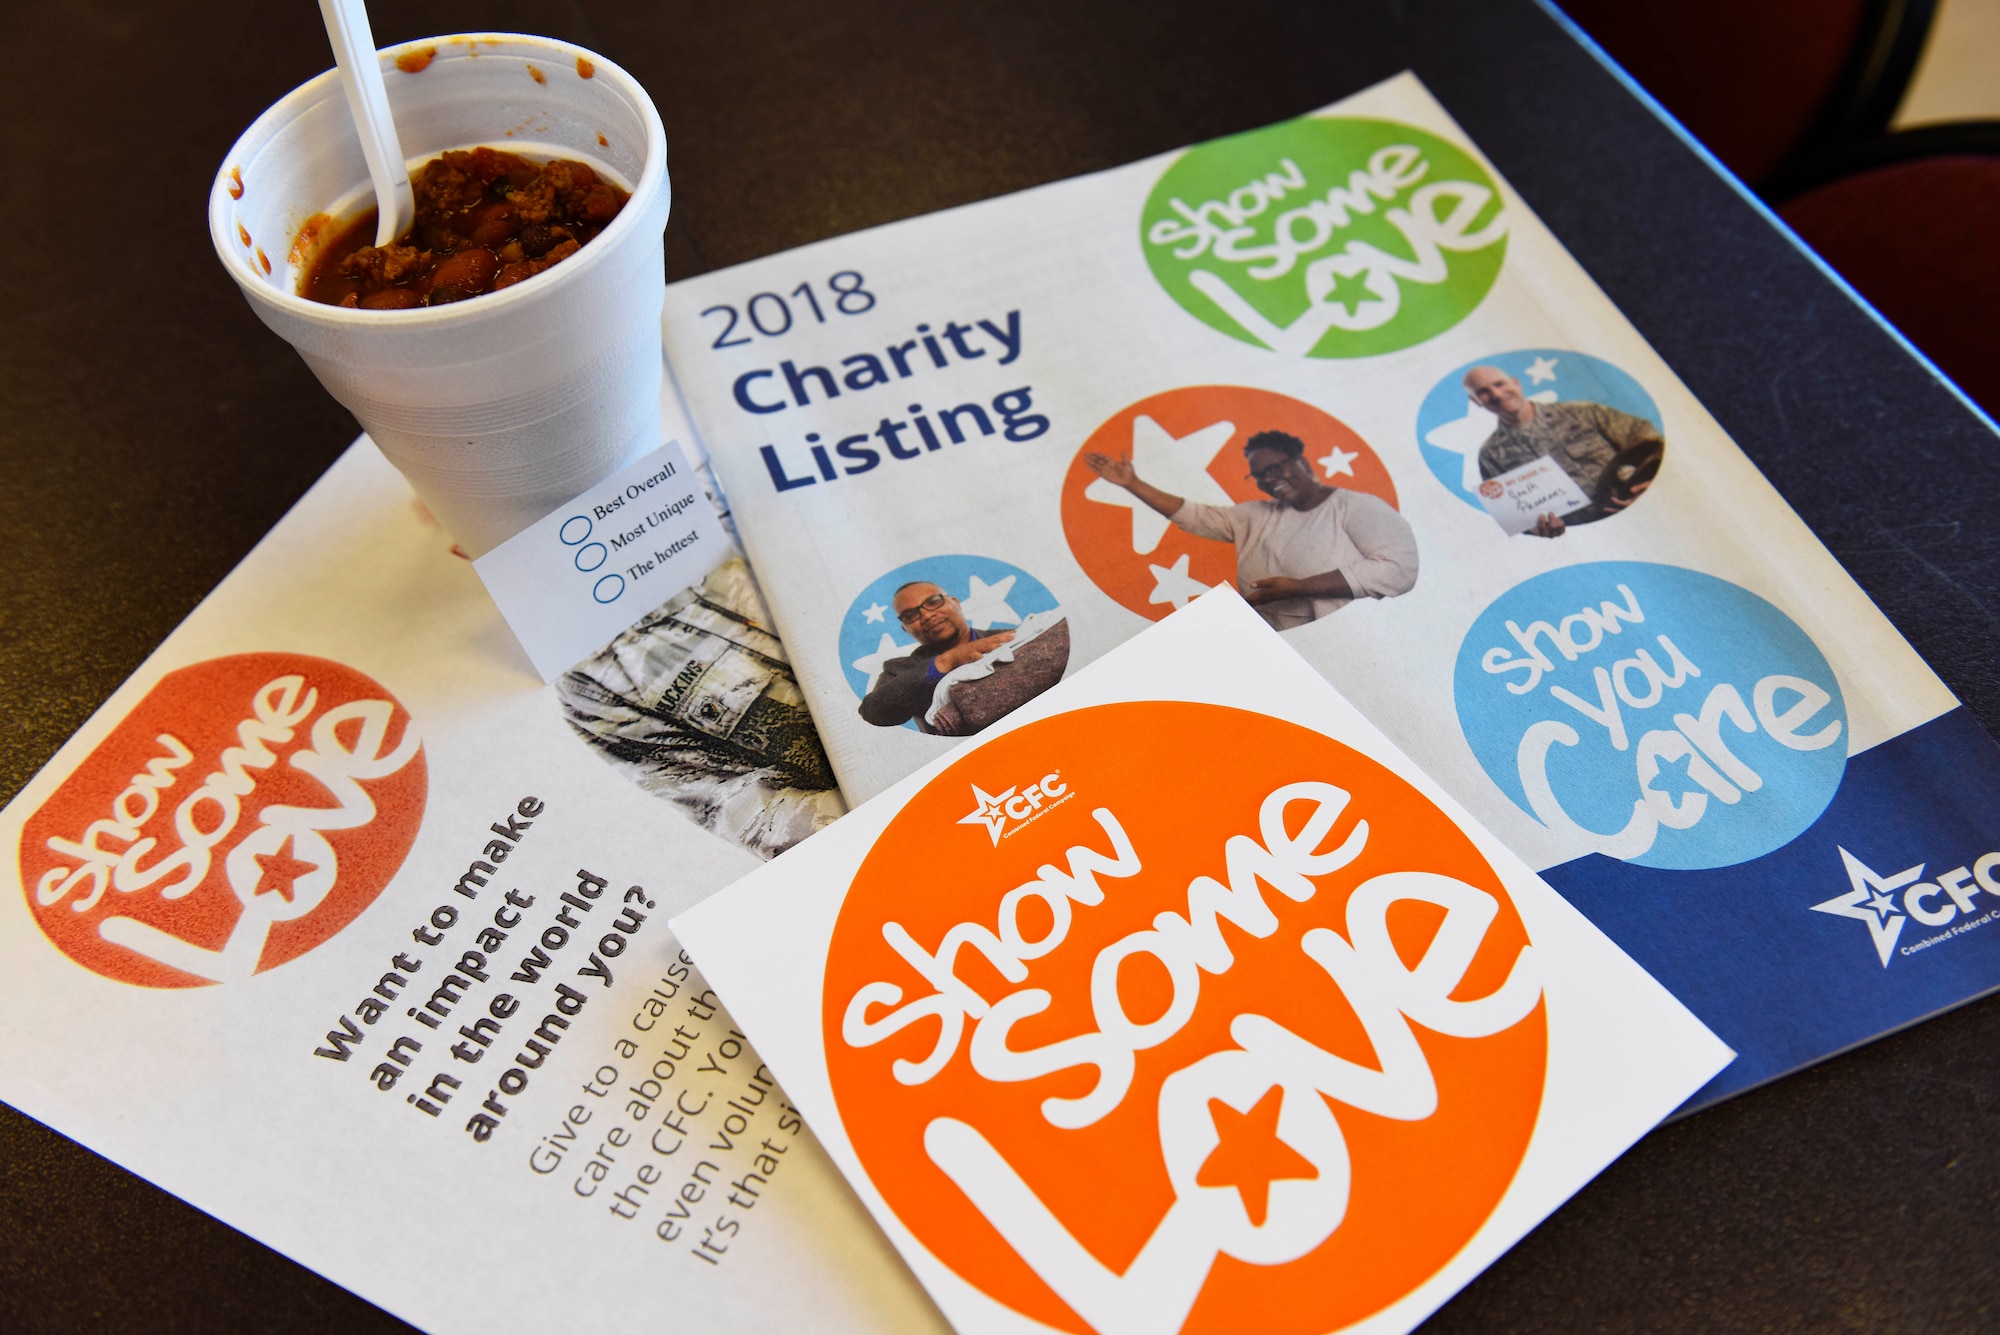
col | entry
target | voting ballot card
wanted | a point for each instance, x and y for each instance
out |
(591, 567)
(1184, 993)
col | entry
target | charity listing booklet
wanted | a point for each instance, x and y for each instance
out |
(338, 923)
(969, 453)
(1182, 994)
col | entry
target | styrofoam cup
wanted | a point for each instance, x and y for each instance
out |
(500, 407)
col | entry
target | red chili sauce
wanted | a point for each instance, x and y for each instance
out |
(485, 220)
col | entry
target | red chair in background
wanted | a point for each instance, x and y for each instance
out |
(1913, 221)
(1770, 86)
(1795, 97)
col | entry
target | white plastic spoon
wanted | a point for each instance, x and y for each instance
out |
(368, 102)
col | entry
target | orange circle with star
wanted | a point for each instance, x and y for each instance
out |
(195, 808)
(1181, 780)
(1192, 439)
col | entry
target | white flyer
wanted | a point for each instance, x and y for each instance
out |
(1181, 994)
(339, 924)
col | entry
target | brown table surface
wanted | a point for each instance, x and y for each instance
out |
(152, 430)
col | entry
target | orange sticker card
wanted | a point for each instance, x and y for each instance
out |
(1182, 995)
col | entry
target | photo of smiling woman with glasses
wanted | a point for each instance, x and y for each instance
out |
(1308, 551)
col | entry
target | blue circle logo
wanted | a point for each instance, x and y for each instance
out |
(1653, 714)
(992, 594)
(1451, 427)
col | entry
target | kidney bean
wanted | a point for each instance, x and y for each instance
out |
(391, 299)
(498, 228)
(536, 238)
(471, 270)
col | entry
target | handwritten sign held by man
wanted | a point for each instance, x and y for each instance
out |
(1518, 498)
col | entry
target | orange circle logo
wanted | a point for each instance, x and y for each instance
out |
(1189, 443)
(245, 811)
(1151, 1015)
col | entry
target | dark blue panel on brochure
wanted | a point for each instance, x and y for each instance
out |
(1809, 950)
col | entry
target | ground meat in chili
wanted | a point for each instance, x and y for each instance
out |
(485, 220)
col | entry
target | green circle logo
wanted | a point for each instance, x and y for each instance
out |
(1327, 237)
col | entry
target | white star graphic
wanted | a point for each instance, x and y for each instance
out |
(873, 612)
(872, 663)
(1176, 466)
(986, 604)
(1541, 370)
(1173, 584)
(988, 812)
(1869, 901)
(1464, 435)
(1340, 463)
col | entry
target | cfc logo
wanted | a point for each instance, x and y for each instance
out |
(1949, 900)
(244, 812)
(1016, 804)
